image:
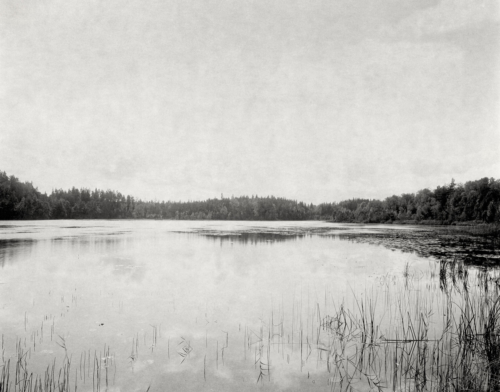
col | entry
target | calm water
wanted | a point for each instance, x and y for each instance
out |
(200, 305)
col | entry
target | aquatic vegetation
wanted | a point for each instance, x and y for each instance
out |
(285, 307)
(449, 344)
(407, 340)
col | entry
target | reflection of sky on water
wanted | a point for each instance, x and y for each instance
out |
(111, 282)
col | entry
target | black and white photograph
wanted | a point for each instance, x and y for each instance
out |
(249, 195)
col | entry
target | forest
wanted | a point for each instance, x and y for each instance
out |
(474, 201)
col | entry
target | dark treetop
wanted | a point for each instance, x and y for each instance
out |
(473, 201)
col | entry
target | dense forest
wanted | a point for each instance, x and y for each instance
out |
(477, 201)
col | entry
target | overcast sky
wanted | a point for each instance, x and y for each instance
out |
(307, 99)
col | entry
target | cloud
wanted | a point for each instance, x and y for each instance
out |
(187, 100)
(447, 16)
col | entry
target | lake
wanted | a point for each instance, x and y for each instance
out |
(225, 306)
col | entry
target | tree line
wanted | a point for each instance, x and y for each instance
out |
(473, 201)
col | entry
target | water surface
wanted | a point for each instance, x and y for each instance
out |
(193, 305)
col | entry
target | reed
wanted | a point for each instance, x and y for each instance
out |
(436, 334)
(448, 340)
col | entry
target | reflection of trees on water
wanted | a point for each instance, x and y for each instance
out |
(440, 243)
(443, 332)
(269, 235)
(14, 249)
(253, 238)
